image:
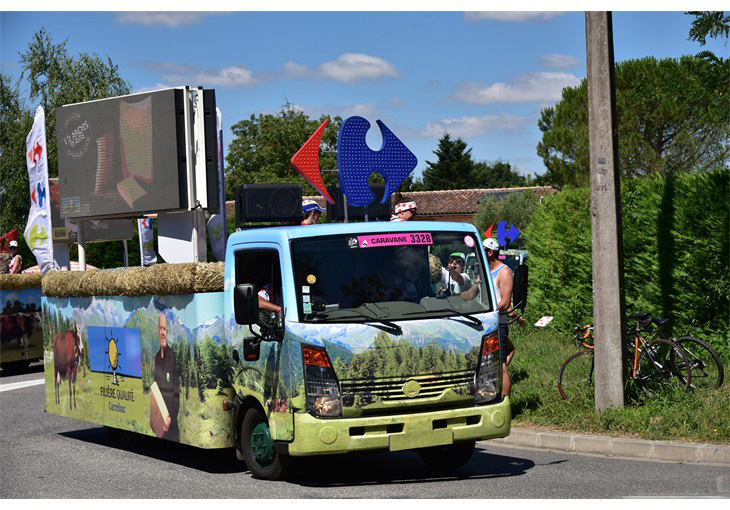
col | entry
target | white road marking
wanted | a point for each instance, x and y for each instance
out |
(23, 384)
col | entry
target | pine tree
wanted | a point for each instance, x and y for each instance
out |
(454, 167)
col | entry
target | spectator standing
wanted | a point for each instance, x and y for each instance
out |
(503, 281)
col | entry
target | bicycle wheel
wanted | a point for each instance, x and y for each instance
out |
(575, 379)
(704, 362)
(663, 366)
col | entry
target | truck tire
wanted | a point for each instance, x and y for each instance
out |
(257, 447)
(448, 457)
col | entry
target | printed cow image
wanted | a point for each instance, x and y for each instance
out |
(19, 327)
(67, 352)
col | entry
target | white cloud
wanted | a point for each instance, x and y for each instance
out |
(395, 102)
(167, 19)
(231, 76)
(158, 86)
(512, 16)
(352, 67)
(294, 69)
(523, 88)
(558, 61)
(367, 110)
(472, 126)
(347, 68)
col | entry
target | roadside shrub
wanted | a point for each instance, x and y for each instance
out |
(676, 254)
(516, 208)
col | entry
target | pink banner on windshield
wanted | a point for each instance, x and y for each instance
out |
(375, 241)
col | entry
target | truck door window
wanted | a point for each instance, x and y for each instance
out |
(261, 268)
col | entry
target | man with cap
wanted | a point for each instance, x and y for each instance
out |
(405, 211)
(503, 281)
(16, 261)
(453, 277)
(312, 211)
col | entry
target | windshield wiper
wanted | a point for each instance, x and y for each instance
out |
(395, 327)
(471, 318)
(353, 313)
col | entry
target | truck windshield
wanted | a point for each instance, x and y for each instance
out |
(387, 276)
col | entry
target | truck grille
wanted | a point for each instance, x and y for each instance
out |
(393, 388)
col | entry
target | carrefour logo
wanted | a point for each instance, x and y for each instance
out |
(503, 233)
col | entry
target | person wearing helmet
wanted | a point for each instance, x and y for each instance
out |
(453, 278)
(16, 261)
(503, 282)
(406, 211)
(312, 211)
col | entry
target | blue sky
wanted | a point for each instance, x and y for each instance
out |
(482, 76)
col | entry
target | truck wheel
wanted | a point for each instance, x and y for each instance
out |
(448, 457)
(258, 448)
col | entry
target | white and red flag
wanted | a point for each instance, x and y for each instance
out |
(38, 229)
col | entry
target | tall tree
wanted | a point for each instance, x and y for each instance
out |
(54, 78)
(708, 24)
(454, 167)
(497, 174)
(262, 148)
(15, 123)
(672, 117)
(57, 78)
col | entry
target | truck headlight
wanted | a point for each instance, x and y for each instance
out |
(320, 382)
(490, 364)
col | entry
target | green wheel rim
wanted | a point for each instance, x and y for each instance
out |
(262, 447)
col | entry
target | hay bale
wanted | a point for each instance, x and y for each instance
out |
(157, 280)
(20, 281)
(209, 277)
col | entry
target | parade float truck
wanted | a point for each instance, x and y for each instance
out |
(368, 351)
(21, 337)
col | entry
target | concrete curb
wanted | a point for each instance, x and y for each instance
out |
(619, 447)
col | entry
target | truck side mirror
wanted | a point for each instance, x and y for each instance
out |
(246, 304)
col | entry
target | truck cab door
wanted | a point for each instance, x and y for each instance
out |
(260, 376)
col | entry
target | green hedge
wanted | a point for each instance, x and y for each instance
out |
(676, 233)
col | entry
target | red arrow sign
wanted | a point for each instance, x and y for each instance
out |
(306, 162)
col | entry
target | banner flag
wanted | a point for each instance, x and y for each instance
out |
(217, 223)
(147, 253)
(5, 240)
(38, 229)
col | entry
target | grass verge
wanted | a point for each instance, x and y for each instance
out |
(696, 416)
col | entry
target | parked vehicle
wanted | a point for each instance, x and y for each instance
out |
(21, 335)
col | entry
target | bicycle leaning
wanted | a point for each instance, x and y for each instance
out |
(704, 362)
(655, 364)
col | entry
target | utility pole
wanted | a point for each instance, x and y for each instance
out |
(608, 257)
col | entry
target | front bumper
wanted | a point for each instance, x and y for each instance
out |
(315, 436)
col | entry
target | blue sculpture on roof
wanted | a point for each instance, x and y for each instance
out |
(356, 161)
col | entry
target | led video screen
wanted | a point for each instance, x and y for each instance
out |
(122, 156)
(66, 230)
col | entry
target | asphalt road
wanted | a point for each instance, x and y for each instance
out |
(48, 456)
